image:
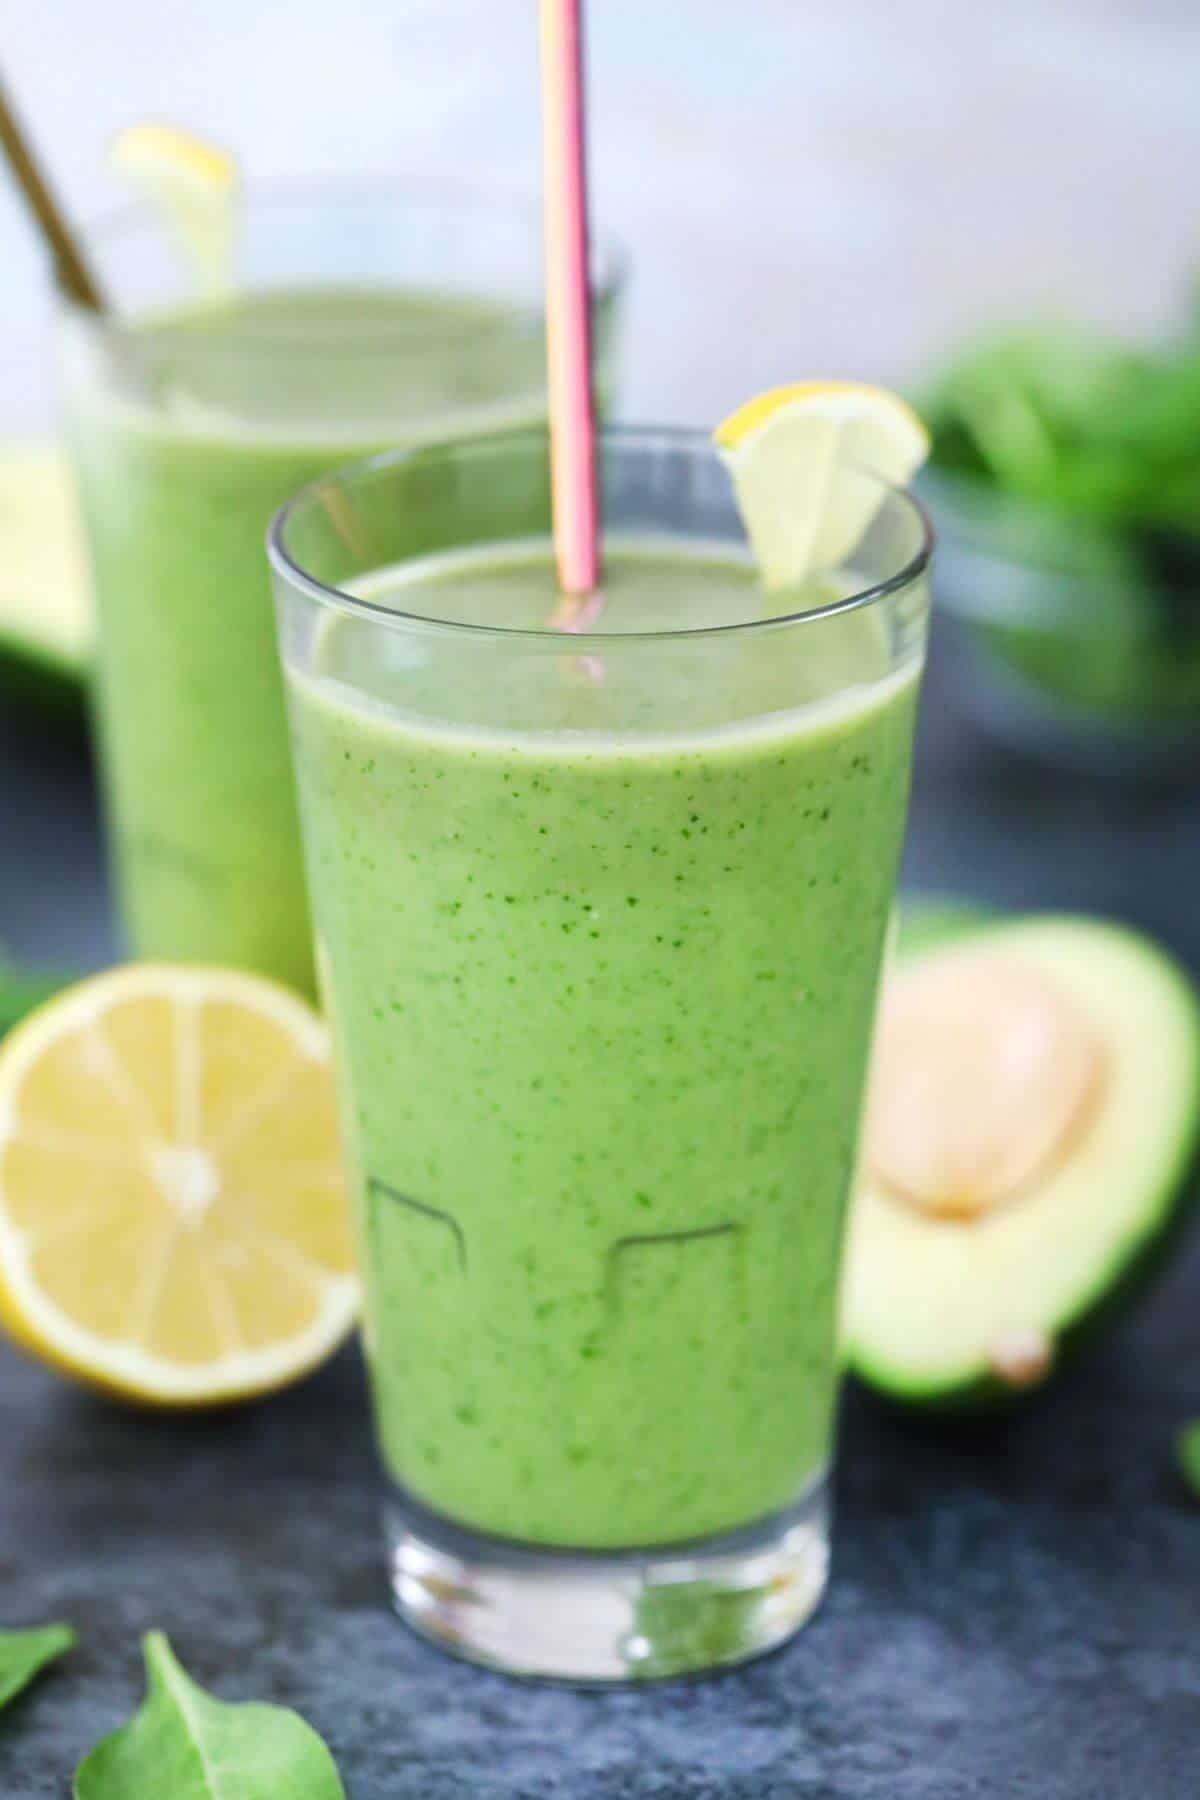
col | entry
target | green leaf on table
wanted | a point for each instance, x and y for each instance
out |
(1187, 1455)
(184, 1745)
(24, 1654)
(21, 992)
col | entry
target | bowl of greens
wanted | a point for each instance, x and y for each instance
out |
(1064, 482)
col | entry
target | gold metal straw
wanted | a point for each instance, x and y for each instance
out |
(73, 272)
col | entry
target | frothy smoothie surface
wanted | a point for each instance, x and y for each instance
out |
(601, 935)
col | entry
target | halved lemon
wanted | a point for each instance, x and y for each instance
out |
(807, 462)
(194, 185)
(173, 1220)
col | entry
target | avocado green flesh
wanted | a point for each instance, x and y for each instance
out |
(47, 630)
(926, 1299)
(935, 919)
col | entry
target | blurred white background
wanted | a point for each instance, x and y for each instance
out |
(807, 188)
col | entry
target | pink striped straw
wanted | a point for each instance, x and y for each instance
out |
(568, 303)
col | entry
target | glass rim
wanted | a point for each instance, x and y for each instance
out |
(630, 437)
(611, 260)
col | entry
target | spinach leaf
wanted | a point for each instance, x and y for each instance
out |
(184, 1745)
(1187, 1455)
(23, 1654)
(1069, 417)
(20, 992)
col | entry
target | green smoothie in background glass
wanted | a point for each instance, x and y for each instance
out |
(361, 318)
(600, 922)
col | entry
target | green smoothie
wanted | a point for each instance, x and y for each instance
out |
(189, 430)
(603, 1001)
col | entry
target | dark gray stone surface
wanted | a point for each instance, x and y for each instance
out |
(1015, 1609)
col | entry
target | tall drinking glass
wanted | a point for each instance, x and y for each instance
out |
(599, 919)
(357, 316)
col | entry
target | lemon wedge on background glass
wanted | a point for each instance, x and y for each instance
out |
(807, 461)
(195, 188)
(173, 1219)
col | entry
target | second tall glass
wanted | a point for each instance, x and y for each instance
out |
(361, 316)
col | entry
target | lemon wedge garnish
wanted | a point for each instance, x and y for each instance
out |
(173, 1222)
(807, 462)
(194, 186)
(45, 602)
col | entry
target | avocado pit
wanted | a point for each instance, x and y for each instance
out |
(985, 1073)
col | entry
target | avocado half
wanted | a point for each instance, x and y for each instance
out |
(47, 630)
(964, 1310)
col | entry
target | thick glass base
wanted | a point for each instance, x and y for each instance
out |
(608, 1615)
